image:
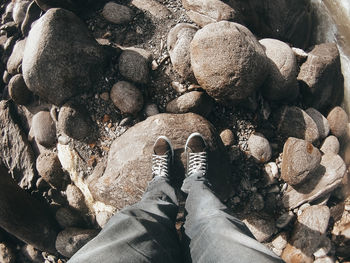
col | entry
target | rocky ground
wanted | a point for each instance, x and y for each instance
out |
(81, 95)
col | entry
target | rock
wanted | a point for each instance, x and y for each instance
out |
(126, 97)
(194, 101)
(7, 255)
(324, 260)
(300, 55)
(68, 218)
(76, 198)
(281, 82)
(24, 216)
(73, 5)
(134, 65)
(203, 12)
(117, 14)
(19, 11)
(19, 91)
(227, 61)
(300, 160)
(284, 220)
(49, 168)
(102, 218)
(74, 121)
(32, 14)
(6, 77)
(259, 148)
(153, 7)
(271, 173)
(338, 121)
(320, 77)
(324, 180)
(70, 240)
(61, 59)
(16, 57)
(262, 227)
(15, 150)
(321, 122)
(32, 254)
(227, 137)
(304, 127)
(330, 145)
(151, 109)
(179, 39)
(280, 242)
(44, 128)
(122, 184)
(308, 233)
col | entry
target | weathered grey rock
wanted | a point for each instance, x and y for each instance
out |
(271, 173)
(16, 57)
(61, 59)
(330, 145)
(281, 82)
(15, 150)
(153, 7)
(73, 5)
(300, 160)
(203, 12)
(284, 220)
(76, 198)
(308, 233)
(294, 122)
(227, 61)
(321, 122)
(117, 14)
(259, 148)
(322, 83)
(261, 226)
(32, 254)
(74, 121)
(49, 168)
(338, 121)
(227, 137)
(280, 242)
(68, 218)
(19, 91)
(32, 14)
(179, 39)
(44, 128)
(126, 97)
(134, 64)
(194, 101)
(122, 184)
(70, 240)
(19, 11)
(324, 180)
(151, 109)
(7, 254)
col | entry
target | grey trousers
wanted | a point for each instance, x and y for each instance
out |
(145, 231)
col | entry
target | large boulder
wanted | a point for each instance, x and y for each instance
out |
(129, 161)
(72, 5)
(228, 61)
(61, 59)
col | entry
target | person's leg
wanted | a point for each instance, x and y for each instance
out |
(215, 235)
(143, 232)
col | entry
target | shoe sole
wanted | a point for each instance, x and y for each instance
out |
(171, 147)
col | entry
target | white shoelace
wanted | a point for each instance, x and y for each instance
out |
(160, 165)
(197, 163)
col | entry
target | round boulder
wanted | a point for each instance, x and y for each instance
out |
(76, 198)
(259, 148)
(44, 128)
(338, 121)
(227, 137)
(19, 91)
(281, 82)
(321, 122)
(330, 144)
(126, 97)
(228, 61)
(19, 11)
(117, 14)
(50, 169)
(68, 218)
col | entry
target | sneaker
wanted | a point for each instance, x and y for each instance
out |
(197, 156)
(162, 157)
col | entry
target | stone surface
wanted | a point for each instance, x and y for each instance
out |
(134, 65)
(32, 254)
(228, 61)
(320, 77)
(44, 128)
(153, 7)
(61, 59)
(194, 101)
(73, 5)
(16, 57)
(203, 12)
(19, 11)
(261, 226)
(32, 14)
(324, 180)
(126, 97)
(70, 240)
(304, 127)
(68, 218)
(49, 168)
(259, 148)
(227, 137)
(179, 39)
(321, 122)
(117, 14)
(308, 233)
(122, 184)
(300, 160)
(281, 82)
(18, 90)
(280, 242)
(330, 145)
(338, 121)
(151, 109)
(284, 219)
(15, 150)
(7, 254)
(76, 198)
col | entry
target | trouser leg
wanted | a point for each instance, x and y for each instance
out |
(143, 232)
(215, 235)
